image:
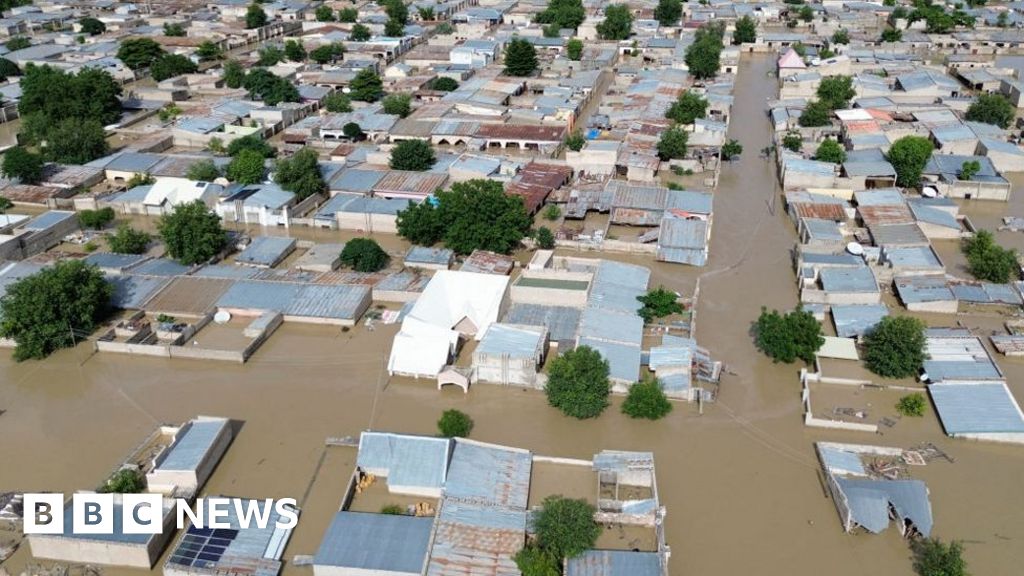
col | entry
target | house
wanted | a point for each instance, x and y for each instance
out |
(186, 464)
(978, 410)
(790, 63)
(263, 204)
(429, 258)
(511, 354)
(161, 197)
(37, 235)
(266, 251)
(943, 172)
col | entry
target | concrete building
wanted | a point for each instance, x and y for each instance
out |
(511, 354)
(37, 235)
(183, 467)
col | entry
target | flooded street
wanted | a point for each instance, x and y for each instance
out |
(742, 476)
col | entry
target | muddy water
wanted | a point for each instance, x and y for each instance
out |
(739, 482)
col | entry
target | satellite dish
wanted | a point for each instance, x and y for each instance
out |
(929, 192)
(346, 90)
(855, 248)
(222, 317)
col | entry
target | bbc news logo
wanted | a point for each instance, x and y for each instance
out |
(144, 513)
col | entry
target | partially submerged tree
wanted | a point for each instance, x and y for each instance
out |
(364, 255)
(128, 240)
(989, 261)
(545, 238)
(703, 57)
(578, 383)
(731, 149)
(124, 481)
(646, 399)
(454, 424)
(203, 171)
(816, 113)
(788, 337)
(54, 308)
(96, 219)
(912, 405)
(896, 347)
(415, 155)
(909, 155)
(255, 17)
(658, 303)
(934, 558)
(746, 31)
(294, 50)
(247, 167)
(192, 233)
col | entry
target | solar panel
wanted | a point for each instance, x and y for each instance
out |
(203, 547)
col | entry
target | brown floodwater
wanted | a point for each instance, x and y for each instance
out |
(740, 481)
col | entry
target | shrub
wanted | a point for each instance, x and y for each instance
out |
(646, 399)
(454, 423)
(565, 527)
(128, 240)
(415, 155)
(575, 141)
(787, 337)
(933, 558)
(533, 561)
(545, 238)
(912, 405)
(895, 348)
(578, 383)
(392, 509)
(658, 303)
(793, 141)
(574, 49)
(364, 255)
(992, 109)
(830, 151)
(552, 212)
(988, 260)
(125, 481)
(444, 84)
(203, 171)
(96, 219)
(731, 149)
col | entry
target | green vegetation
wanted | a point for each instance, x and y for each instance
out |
(444, 84)
(348, 15)
(788, 337)
(545, 238)
(575, 141)
(24, 165)
(54, 308)
(793, 141)
(552, 212)
(139, 53)
(264, 85)
(672, 143)
(5, 204)
(658, 303)
(565, 527)
(933, 558)
(338, 103)
(270, 55)
(324, 13)
(574, 49)
(92, 26)
(353, 131)
(18, 43)
(327, 53)
(703, 57)
(731, 149)
(398, 104)
(426, 13)
(968, 169)
(989, 261)
(444, 29)
(192, 233)
(255, 17)
(617, 23)
(359, 33)
(454, 423)
(251, 142)
(415, 155)
(124, 481)
(171, 65)
(891, 35)
(687, 108)
(96, 219)
(830, 151)
(841, 36)
(563, 14)
(836, 91)
(392, 509)
(247, 167)
(300, 174)
(208, 52)
(745, 32)
(366, 86)
(992, 109)
(203, 171)
(532, 561)
(364, 255)
(471, 215)
(816, 113)
(806, 13)
(8, 69)
(174, 29)
(909, 155)
(578, 384)
(140, 179)
(520, 58)
(234, 74)
(294, 51)
(912, 405)
(668, 12)
(128, 240)
(646, 399)
(76, 141)
(895, 348)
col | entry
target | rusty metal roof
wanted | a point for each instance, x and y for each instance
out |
(528, 132)
(404, 183)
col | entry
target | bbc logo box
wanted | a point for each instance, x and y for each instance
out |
(129, 530)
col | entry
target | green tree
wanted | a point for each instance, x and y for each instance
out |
(397, 104)
(415, 155)
(836, 91)
(208, 52)
(891, 35)
(793, 141)
(300, 174)
(933, 558)
(830, 151)
(668, 12)
(8, 69)
(909, 155)
(575, 141)
(234, 74)
(251, 142)
(139, 53)
(896, 347)
(359, 33)
(454, 424)
(140, 179)
(565, 527)
(444, 84)
(49, 95)
(294, 51)
(552, 212)
(92, 26)
(444, 29)
(841, 36)
(703, 57)
(731, 149)
(348, 15)
(96, 219)
(24, 165)
(806, 13)
(53, 308)
(672, 144)
(174, 29)
(578, 383)
(247, 167)
(327, 53)
(1003, 19)
(545, 238)
(987, 260)
(324, 13)
(203, 171)
(533, 561)
(746, 31)
(124, 481)
(563, 13)
(128, 240)
(192, 233)
(270, 55)
(520, 58)
(353, 131)
(18, 43)
(816, 113)
(787, 337)
(171, 65)
(658, 303)
(76, 141)
(912, 405)
(397, 11)
(394, 29)
(5, 204)
(270, 88)
(687, 108)
(617, 23)
(426, 13)
(646, 399)
(574, 48)
(367, 86)
(421, 223)
(364, 255)
(992, 109)
(968, 169)
(255, 17)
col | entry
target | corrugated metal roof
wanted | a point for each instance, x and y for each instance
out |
(48, 219)
(623, 359)
(160, 267)
(112, 261)
(614, 563)
(921, 289)
(513, 341)
(898, 234)
(192, 444)
(857, 320)
(410, 461)
(869, 501)
(489, 475)
(859, 279)
(266, 250)
(916, 257)
(977, 408)
(428, 255)
(131, 292)
(561, 321)
(376, 542)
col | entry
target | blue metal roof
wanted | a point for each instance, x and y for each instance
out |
(935, 216)
(820, 229)
(977, 408)
(614, 563)
(376, 542)
(411, 461)
(489, 475)
(428, 255)
(192, 444)
(623, 359)
(48, 219)
(859, 279)
(514, 341)
(841, 461)
(112, 261)
(611, 325)
(266, 250)
(307, 300)
(355, 180)
(561, 321)
(160, 267)
(869, 501)
(131, 292)
(857, 320)
(919, 257)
